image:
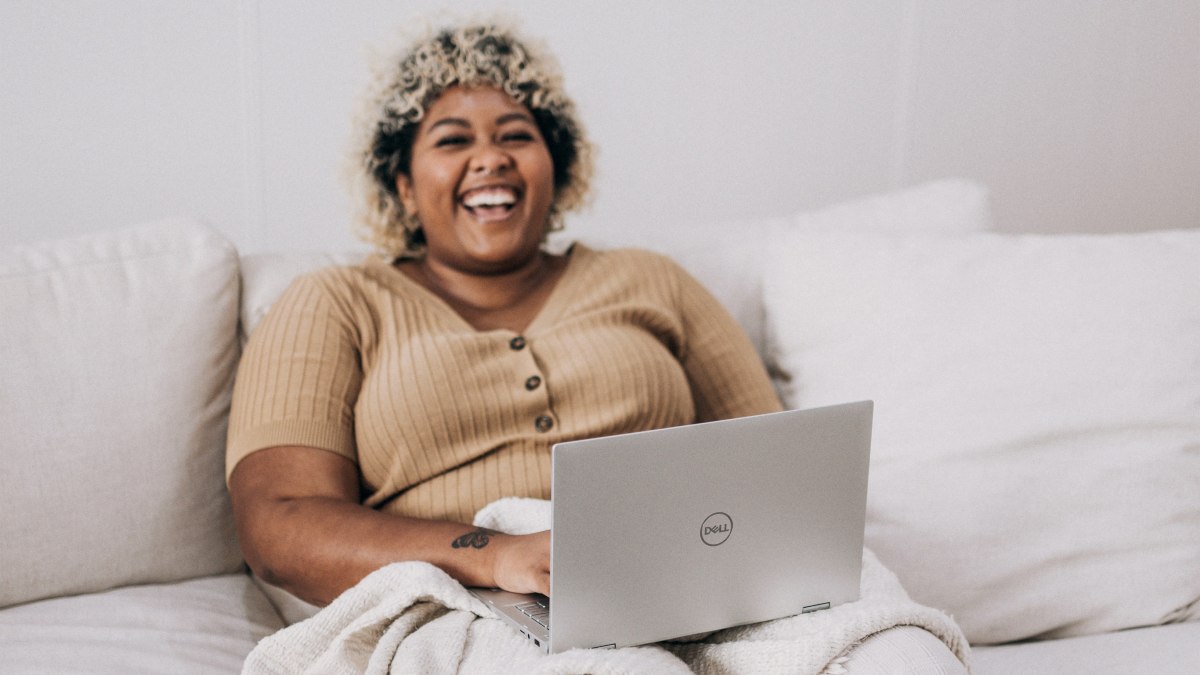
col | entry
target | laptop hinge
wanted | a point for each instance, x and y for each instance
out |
(814, 608)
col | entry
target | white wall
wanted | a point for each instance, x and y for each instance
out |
(1080, 115)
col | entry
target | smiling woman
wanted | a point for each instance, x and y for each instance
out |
(379, 406)
(405, 88)
(481, 151)
(481, 185)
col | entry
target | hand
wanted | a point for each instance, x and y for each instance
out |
(522, 562)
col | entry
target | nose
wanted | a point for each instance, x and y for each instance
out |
(490, 159)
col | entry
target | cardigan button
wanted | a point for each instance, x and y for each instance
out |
(517, 343)
(544, 423)
(533, 383)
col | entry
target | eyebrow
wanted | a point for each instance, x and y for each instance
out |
(503, 119)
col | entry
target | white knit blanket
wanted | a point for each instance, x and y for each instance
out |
(414, 618)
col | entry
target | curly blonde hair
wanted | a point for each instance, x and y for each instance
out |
(404, 88)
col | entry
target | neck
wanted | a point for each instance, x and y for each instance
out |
(479, 292)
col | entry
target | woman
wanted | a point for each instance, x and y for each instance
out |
(378, 407)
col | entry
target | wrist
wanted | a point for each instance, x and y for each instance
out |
(476, 552)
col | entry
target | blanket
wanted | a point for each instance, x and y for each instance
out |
(412, 617)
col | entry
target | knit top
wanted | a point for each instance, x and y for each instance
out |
(442, 419)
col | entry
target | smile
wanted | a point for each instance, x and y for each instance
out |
(490, 202)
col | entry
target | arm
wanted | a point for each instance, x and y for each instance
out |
(725, 373)
(302, 528)
(298, 509)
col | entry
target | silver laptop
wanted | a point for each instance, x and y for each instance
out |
(669, 533)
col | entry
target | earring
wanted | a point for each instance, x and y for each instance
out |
(554, 221)
(414, 236)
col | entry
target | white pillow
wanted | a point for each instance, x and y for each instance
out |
(119, 352)
(1036, 455)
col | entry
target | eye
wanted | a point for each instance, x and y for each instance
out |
(451, 140)
(520, 136)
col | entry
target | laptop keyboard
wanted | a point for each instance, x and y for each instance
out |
(538, 610)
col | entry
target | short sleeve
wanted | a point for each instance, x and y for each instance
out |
(299, 377)
(724, 371)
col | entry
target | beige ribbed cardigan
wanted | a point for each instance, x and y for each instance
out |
(442, 419)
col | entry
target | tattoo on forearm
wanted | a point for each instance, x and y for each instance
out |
(477, 539)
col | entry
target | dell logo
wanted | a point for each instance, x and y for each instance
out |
(716, 529)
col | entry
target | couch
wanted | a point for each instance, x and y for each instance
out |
(1035, 468)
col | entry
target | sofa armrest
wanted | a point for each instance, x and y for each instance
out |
(904, 649)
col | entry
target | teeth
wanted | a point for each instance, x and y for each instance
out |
(490, 197)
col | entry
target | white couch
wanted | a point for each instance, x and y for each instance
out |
(1036, 465)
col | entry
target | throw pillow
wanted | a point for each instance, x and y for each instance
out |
(119, 352)
(1036, 456)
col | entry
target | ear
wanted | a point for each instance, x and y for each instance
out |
(405, 190)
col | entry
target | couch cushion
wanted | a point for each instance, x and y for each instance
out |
(119, 351)
(205, 625)
(1167, 650)
(1036, 457)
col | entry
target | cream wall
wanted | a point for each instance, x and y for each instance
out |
(1080, 115)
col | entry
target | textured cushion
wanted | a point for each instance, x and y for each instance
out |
(119, 351)
(1036, 457)
(205, 625)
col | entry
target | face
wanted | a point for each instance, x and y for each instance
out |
(481, 181)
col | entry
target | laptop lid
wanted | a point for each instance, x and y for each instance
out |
(667, 533)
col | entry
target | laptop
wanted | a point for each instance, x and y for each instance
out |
(676, 532)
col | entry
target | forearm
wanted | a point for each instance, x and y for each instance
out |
(317, 547)
(302, 527)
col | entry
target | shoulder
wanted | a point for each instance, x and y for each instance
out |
(336, 278)
(327, 285)
(364, 282)
(288, 287)
(633, 275)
